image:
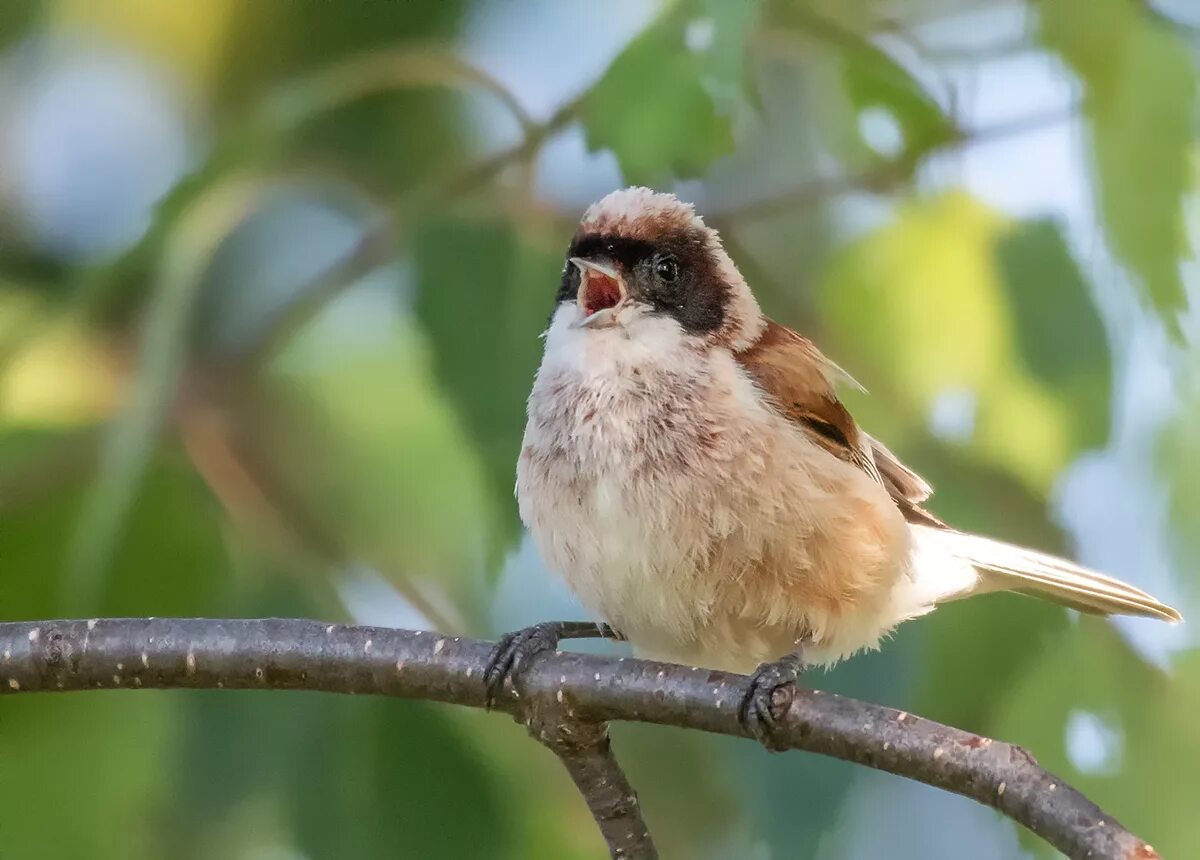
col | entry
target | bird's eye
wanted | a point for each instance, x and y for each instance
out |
(667, 269)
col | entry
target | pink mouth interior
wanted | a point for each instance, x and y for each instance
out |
(599, 292)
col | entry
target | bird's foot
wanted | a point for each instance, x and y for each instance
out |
(770, 694)
(514, 651)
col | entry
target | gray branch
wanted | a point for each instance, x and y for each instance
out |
(565, 698)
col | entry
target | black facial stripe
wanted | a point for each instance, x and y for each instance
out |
(696, 298)
(621, 249)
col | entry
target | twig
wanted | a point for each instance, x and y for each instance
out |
(535, 135)
(373, 250)
(589, 689)
(381, 70)
(378, 244)
(883, 174)
(585, 751)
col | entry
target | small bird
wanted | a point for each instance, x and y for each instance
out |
(688, 467)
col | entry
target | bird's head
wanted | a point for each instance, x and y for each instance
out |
(642, 260)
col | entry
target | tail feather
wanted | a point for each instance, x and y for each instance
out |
(1003, 567)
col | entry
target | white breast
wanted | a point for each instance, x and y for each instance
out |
(686, 512)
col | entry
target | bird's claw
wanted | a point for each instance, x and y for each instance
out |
(770, 694)
(513, 652)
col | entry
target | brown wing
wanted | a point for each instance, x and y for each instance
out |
(903, 481)
(800, 381)
(906, 487)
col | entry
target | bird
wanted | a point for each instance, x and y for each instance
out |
(689, 469)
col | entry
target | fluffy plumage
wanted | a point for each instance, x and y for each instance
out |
(702, 488)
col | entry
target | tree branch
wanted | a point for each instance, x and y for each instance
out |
(884, 173)
(558, 695)
(378, 244)
(584, 749)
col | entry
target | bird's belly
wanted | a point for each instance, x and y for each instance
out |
(709, 536)
(641, 565)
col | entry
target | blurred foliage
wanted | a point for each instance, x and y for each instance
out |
(1140, 96)
(924, 305)
(869, 78)
(480, 295)
(655, 106)
(298, 388)
(1179, 455)
(1089, 671)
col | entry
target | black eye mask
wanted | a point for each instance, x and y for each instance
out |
(676, 276)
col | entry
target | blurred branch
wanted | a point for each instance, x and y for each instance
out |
(565, 698)
(162, 363)
(378, 71)
(378, 244)
(1186, 29)
(934, 14)
(486, 170)
(212, 427)
(1002, 48)
(885, 173)
(374, 249)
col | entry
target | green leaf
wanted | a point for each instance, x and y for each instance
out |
(233, 748)
(16, 16)
(917, 309)
(1179, 466)
(1140, 96)
(688, 823)
(273, 41)
(484, 294)
(170, 560)
(161, 360)
(872, 79)
(384, 778)
(727, 75)
(848, 75)
(655, 108)
(1057, 326)
(1090, 674)
(396, 485)
(966, 677)
(117, 743)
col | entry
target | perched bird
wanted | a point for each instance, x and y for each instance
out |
(689, 469)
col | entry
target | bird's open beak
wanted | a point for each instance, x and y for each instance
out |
(602, 293)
